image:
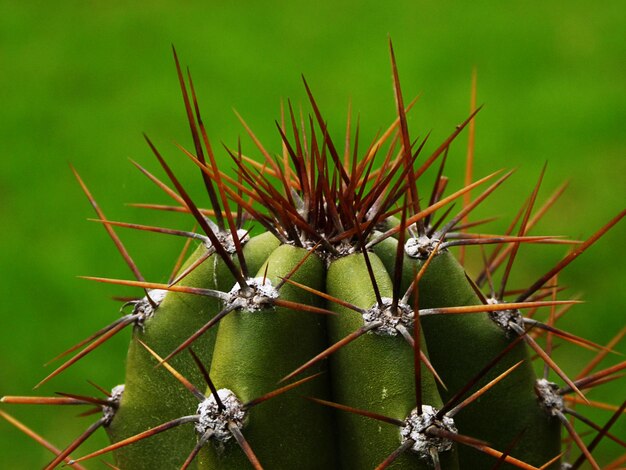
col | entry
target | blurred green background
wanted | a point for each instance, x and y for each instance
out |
(80, 82)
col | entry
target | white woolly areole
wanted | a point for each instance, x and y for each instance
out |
(226, 239)
(260, 294)
(144, 309)
(504, 318)
(108, 411)
(216, 420)
(420, 247)
(549, 397)
(416, 429)
(389, 317)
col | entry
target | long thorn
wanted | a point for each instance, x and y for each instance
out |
(406, 445)
(569, 258)
(138, 437)
(245, 447)
(330, 350)
(280, 391)
(33, 435)
(177, 375)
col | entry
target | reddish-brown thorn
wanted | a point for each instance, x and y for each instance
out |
(148, 228)
(85, 399)
(412, 194)
(439, 190)
(200, 219)
(492, 290)
(177, 375)
(460, 438)
(17, 400)
(245, 446)
(417, 351)
(171, 193)
(199, 333)
(593, 425)
(493, 307)
(508, 450)
(196, 140)
(399, 261)
(125, 319)
(548, 360)
(579, 442)
(482, 390)
(456, 398)
(103, 338)
(602, 354)
(617, 464)
(220, 186)
(138, 437)
(196, 450)
(166, 208)
(552, 461)
(570, 257)
(409, 339)
(257, 142)
(327, 141)
(522, 232)
(192, 267)
(406, 445)
(591, 379)
(475, 203)
(90, 412)
(239, 192)
(76, 443)
(445, 144)
(497, 454)
(155, 285)
(497, 258)
(385, 136)
(421, 272)
(33, 435)
(481, 239)
(331, 349)
(565, 335)
(288, 304)
(296, 267)
(116, 240)
(468, 225)
(371, 275)
(207, 379)
(439, 185)
(429, 210)
(469, 160)
(367, 414)
(326, 296)
(100, 388)
(592, 403)
(279, 391)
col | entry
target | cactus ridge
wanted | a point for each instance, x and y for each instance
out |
(354, 282)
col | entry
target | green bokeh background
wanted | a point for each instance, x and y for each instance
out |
(80, 82)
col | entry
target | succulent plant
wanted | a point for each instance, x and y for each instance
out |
(323, 320)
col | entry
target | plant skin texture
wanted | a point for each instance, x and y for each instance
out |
(325, 319)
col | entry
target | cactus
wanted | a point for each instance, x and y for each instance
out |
(323, 321)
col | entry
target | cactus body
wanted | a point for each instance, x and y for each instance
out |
(374, 373)
(254, 350)
(151, 396)
(460, 345)
(343, 337)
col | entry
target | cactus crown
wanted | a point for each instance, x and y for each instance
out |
(353, 281)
